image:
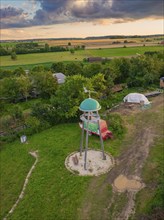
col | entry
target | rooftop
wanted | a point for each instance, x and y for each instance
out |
(89, 105)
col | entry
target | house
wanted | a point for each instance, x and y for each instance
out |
(60, 77)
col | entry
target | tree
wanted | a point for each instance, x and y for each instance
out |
(24, 86)
(45, 84)
(3, 51)
(39, 68)
(72, 51)
(92, 69)
(45, 113)
(5, 73)
(69, 96)
(120, 69)
(19, 71)
(99, 84)
(46, 47)
(74, 69)
(13, 56)
(9, 88)
(83, 47)
(58, 67)
(144, 71)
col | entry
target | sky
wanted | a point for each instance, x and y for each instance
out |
(29, 19)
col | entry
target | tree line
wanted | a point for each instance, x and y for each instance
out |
(34, 47)
(59, 103)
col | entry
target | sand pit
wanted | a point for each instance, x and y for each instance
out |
(95, 164)
(122, 183)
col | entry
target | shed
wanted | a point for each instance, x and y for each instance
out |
(60, 77)
(95, 59)
(162, 82)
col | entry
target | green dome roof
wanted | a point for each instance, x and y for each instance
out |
(89, 105)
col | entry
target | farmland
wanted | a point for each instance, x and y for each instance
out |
(106, 43)
(43, 58)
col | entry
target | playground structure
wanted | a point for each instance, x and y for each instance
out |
(92, 124)
(94, 129)
(87, 161)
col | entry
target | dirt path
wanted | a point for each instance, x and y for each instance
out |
(146, 128)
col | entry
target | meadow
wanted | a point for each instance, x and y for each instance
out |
(79, 55)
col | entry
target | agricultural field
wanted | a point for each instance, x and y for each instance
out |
(106, 43)
(79, 55)
(55, 193)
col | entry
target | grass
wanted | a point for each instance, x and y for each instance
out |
(39, 58)
(93, 203)
(53, 192)
(129, 51)
(151, 196)
(48, 58)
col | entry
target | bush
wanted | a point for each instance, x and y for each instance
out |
(6, 122)
(33, 125)
(116, 124)
(16, 112)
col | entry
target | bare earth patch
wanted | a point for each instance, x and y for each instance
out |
(122, 184)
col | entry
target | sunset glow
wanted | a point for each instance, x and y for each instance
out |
(67, 18)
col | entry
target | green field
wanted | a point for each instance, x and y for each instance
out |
(53, 192)
(41, 58)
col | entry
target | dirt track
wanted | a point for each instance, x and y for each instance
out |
(142, 134)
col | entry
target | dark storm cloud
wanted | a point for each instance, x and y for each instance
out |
(62, 11)
(120, 9)
(52, 5)
(13, 17)
(10, 12)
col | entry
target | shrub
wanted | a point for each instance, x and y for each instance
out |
(33, 125)
(116, 124)
(16, 112)
(6, 122)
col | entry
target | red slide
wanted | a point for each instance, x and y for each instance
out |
(104, 130)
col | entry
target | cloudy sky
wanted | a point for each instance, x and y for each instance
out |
(25, 19)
